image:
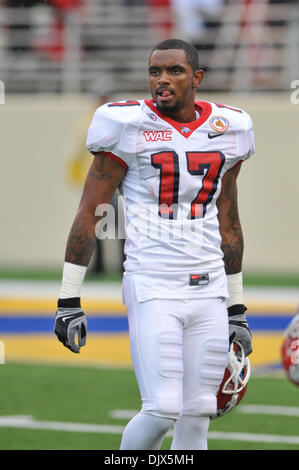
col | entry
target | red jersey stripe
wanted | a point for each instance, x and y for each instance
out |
(203, 107)
(116, 158)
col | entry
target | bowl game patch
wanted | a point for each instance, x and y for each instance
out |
(219, 123)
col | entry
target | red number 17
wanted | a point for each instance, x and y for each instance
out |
(208, 165)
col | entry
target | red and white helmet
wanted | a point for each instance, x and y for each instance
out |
(235, 380)
(290, 351)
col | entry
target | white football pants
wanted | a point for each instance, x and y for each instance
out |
(179, 351)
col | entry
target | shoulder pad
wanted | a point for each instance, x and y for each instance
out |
(113, 128)
(124, 111)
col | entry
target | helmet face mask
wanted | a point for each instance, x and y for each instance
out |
(290, 351)
(235, 380)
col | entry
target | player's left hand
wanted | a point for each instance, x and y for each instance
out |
(238, 327)
(69, 323)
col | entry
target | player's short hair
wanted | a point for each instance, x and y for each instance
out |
(190, 51)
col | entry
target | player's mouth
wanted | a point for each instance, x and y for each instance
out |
(164, 94)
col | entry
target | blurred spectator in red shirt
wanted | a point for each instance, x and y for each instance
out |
(52, 44)
(161, 13)
(66, 4)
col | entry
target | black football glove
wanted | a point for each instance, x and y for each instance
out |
(70, 322)
(238, 327)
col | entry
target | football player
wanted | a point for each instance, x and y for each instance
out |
(176, 161)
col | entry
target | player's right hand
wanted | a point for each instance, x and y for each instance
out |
(71, 324)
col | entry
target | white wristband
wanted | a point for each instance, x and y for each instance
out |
(72, 280)
(235, 289)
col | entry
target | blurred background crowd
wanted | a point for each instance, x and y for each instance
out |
(99, 45)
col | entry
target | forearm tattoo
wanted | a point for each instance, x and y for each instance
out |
(82, 237)
(81, 243)
(233, 245)
(233, 254)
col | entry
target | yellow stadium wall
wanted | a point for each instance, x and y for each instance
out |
(40, 135)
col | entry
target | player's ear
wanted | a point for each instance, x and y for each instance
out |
(197, 78)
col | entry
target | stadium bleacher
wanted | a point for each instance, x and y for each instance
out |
(68, 49)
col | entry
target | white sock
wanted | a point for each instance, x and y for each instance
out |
(191, 433)
(145, 431)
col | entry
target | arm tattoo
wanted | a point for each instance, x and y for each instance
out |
(233, 256)
(233, 245)
(82, 238)
(99, 166)
(80, 245)
(96, 176)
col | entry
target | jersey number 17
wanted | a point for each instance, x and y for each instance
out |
(207, 165)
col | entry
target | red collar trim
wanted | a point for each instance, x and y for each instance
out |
(185, 129)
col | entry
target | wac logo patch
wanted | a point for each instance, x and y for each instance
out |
(156, 136)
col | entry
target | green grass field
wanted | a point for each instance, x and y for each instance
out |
(264, 279)
(49, 395)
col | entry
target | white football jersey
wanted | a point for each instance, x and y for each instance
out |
(173, 179)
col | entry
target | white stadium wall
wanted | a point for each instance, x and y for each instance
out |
(40, 134)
